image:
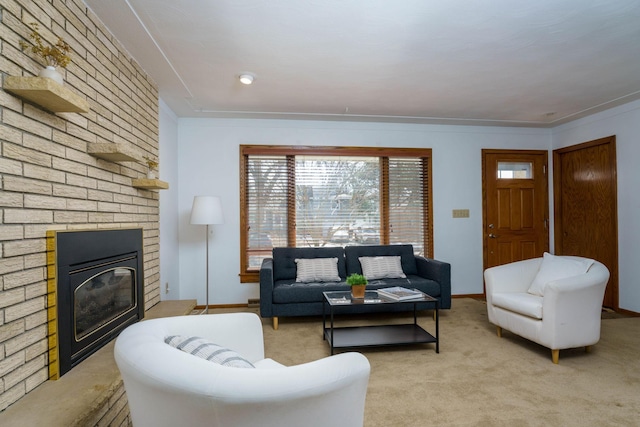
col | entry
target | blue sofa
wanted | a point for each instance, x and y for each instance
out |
(281, 295)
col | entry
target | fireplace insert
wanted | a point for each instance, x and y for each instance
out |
(99, 275)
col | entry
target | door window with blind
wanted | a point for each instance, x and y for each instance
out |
(332, 196)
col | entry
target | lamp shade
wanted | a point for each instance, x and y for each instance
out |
(206, 210)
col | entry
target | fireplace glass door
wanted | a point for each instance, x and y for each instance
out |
(101, 299)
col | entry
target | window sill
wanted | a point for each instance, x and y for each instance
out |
(250, 277)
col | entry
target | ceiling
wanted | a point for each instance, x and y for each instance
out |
(485, 62)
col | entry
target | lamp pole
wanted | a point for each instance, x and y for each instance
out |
(206, 309)
(206, 210)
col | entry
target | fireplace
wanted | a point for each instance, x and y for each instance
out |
(95, 291)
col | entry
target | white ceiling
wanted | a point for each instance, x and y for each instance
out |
(496, 62)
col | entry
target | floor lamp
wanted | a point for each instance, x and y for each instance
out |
(206, 210)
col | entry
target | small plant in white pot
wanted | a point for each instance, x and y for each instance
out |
(152, 165)
(53, 56)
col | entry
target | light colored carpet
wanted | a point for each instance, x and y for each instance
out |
(479, 379)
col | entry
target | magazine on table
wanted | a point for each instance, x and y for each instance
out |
(399, 293)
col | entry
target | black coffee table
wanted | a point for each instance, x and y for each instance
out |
(376, 335)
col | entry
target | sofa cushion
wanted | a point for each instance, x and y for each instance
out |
(555, 268)
(381, 267)
(317, 270)
(407, 257)
(284, 264)
(207, 350)
(289, 291)
(519, 302)
(428, 286)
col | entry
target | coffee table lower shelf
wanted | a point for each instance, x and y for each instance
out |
(379, 335)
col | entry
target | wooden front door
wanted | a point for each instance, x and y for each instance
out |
(516, 205)
(585, 201)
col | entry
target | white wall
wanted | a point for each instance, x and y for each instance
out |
(208, 164)
(169, 242)
(624, 123)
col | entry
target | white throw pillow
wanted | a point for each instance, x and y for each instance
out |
(317, 270)
(207, 350)
(382, 267)
(556, 268)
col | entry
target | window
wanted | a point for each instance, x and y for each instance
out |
(515, 170)
(332, 196)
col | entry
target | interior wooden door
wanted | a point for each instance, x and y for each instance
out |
(516, 205)
(585, 206)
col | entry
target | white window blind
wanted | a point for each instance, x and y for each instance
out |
(336, 198)
(267, 194)
(407, 205)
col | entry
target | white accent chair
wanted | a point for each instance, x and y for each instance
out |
(169, 387)
(566, 315)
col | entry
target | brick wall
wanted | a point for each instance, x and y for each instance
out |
(49, 182)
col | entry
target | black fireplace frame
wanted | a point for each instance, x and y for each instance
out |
(78, 250)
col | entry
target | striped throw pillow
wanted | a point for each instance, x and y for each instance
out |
(207, 350)
(381, 267)
(317, 270)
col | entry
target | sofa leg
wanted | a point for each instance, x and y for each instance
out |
(587, 349)
(555, 356)
(499, 331)
(275, 323)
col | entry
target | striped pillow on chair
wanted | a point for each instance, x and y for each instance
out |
(207, 350)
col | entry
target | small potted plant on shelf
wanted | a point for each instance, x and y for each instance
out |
(152, 165)
(358, 285)
(53, 55)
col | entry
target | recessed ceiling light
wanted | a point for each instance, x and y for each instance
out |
(246, 79)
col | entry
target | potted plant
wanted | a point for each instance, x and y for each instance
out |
(53, 55)
(152, 165)
(358, 285)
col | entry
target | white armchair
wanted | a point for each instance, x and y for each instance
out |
(169, 387)
(554, 301)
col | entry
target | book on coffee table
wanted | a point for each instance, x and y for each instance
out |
(399, 293)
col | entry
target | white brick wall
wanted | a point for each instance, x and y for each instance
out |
(49, 182)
